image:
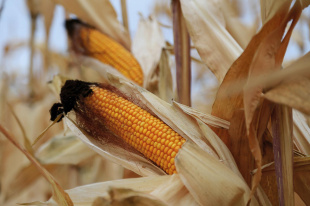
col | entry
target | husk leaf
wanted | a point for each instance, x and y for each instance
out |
(147, 46)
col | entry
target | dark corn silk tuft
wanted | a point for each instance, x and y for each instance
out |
(71, 92)
(98, 104)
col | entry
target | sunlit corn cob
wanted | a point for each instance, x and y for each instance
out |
(93, 43)
(146, 133)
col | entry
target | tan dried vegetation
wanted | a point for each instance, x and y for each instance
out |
(248, 144)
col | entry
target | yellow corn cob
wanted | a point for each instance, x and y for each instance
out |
(97, 45)
(146, 133)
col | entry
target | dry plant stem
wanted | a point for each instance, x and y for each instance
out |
(60, 196)
(32, 50)
(1, 7)
(46, 129)
(182, 54)
(27, 143)
(124, 14)
(282, 125)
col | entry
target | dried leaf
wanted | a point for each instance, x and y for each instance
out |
(61, 149)
(60, 196)
(100, 14)
(216, 47)
(206, 118)
(24, 178)
(270, 8)
(294, 93)
(149, 185)
(268, 57)
(229, 100)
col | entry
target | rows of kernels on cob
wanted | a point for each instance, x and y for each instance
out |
(91, 42)
(126, 120)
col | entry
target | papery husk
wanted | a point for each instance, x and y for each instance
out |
(147, 46)
(173, 191)
(206, 118)
(209, 180)
(165, 81)
(100, 14)
(63, 149)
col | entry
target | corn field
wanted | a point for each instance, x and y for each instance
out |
(180, 102)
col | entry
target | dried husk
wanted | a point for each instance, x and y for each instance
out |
(167, 189)
(147, 46)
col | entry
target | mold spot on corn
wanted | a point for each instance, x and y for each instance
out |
(91, 42)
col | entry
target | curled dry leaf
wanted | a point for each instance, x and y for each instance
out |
(295, 94)
(206, 118)
(100, 14)
(173, 191)
(205, 24)
(290, 85)
(269, 56)
(147, 46)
